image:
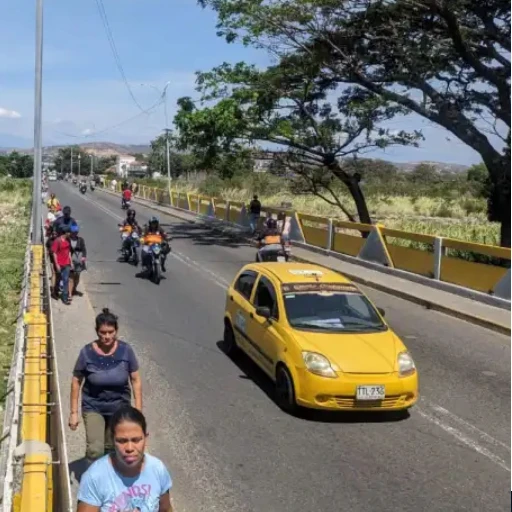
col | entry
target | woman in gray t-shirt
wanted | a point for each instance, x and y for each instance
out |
(106, 372)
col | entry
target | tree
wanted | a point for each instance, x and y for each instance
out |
(286, 106)
(16, 165)
(179, 163)
(446, 61)
(62, 161)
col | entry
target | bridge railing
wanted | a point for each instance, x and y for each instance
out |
(33, 452)
(429, 256)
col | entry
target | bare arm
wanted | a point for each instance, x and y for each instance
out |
(76, 383)
(136, 382)
(84, 507)
(165, 503)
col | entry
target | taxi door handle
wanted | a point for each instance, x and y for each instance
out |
(251, 315)
(231, 297)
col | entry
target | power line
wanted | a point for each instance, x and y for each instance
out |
(115, 53)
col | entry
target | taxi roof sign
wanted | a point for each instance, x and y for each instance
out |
(305, 272)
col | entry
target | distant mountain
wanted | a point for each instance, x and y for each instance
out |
(95, 148)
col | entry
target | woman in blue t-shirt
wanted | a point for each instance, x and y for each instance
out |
(106, 368)
(128, 479)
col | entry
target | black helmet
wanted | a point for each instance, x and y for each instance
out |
(154, 220)
(131, 213)
(272, 224)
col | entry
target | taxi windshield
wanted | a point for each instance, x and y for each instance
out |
(327, 310)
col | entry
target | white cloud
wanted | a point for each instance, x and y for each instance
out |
(87, 131)
(9, 114)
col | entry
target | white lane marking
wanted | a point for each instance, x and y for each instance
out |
(463, 423)
(455, 432)
(463, 438)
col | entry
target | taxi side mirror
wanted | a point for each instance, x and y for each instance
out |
(382, 312)
(263, 312)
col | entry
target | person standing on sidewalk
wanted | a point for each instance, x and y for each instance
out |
(106, 368)
(61, 252)
(128, 479)
(254, 213)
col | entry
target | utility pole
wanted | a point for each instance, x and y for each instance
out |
(168, 150)
(79, 157)
(71, 166)
(92, 164)
(37, 235)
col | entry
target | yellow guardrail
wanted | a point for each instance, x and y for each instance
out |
(432, 261)
(37, 487)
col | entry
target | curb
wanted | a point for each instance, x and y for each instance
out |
(427, 304)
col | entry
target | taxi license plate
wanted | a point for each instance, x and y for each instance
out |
(370, 393)
(281, 259)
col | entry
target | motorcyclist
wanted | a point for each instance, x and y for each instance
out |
(127, 196)
(64, 220)
(131, 221)
(270, 238)
(153, 228)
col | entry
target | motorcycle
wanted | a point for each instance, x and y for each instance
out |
(152, 257)
(125, 204)
(273, 252)
(92, 187)
(83, 188)
(130, 243)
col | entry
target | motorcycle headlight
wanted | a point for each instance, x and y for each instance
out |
(406, 364)
(318, 364)
(156, 249)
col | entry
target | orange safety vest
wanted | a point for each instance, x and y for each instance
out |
(152, 238)
(272, 239)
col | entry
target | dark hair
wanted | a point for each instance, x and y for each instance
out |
(130, 414)
(66, 209)
(106, 317)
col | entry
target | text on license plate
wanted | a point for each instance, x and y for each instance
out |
(370, 393)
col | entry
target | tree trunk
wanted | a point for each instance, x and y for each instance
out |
(352, 184)
(498, 203)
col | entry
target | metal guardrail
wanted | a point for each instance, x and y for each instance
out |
(33, 451)
(377, 246)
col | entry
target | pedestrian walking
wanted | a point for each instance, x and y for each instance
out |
(78, 259)
(61, 253)
(127, 479)
(106, 368)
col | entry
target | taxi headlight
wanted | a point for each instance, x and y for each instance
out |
(406, 364)
(318, 364)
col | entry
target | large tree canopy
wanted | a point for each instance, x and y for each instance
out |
(16, 165)
(296, 111)
(445, 60)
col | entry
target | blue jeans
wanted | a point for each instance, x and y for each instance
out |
(253, 220)
(64, 275)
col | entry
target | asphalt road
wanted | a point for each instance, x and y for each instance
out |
(230, 448)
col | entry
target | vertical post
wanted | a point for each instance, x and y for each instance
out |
(330, 234)
(38, 134)
(168, 151)
(438, 257)
(92, 165)
(71, 164)
(79, 157)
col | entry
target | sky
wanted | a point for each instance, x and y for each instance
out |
(158, 41)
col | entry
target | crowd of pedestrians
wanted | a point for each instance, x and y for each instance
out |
(106, 394)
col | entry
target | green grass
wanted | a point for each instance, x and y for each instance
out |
(15, 203)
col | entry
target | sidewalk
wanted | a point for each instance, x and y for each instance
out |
(463, 308)
(73, 328)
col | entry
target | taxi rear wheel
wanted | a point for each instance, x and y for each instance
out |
(285, 390)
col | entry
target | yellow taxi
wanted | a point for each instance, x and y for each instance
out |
(319, 338)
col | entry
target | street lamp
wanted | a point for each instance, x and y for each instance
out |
(163, 94)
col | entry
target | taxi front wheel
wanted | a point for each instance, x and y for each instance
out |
(230, 346)
(285, 391)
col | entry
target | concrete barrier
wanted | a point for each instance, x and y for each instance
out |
(35, 455)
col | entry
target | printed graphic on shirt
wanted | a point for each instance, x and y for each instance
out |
(137, 498)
